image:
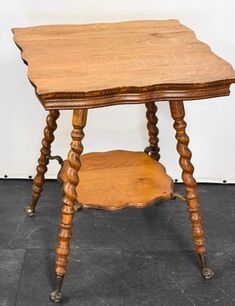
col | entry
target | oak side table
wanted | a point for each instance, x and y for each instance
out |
(78, 67)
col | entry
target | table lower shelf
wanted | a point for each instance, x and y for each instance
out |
(117, 179)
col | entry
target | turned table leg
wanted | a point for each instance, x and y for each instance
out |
(178, 113)
(69, 201)
(152, 120)
(43, 160)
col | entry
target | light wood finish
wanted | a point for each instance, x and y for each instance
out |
(43, 160)
(86, 66)
(136, 62)
(153, 130)
(117, 179)
(178, 113)
(70, 194)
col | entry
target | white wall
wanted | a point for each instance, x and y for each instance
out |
(211, 123)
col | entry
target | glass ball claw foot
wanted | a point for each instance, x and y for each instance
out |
(207, 273)
(30, 210)
(56, 296)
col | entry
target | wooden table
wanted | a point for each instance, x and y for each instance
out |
(79, 67)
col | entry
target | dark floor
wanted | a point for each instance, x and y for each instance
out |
(131, 257)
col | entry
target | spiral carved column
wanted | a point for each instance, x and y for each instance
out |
(69, 200)
(153, 149)
(178, 113)
(43, 160)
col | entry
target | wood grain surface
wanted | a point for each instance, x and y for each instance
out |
(117, 179)
(83, 66)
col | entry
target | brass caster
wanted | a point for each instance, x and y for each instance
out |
(207, 273)
(55, 296)
(30, 211)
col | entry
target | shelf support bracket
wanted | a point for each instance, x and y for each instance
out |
(77, 206)
(176, 195)
(56, 157)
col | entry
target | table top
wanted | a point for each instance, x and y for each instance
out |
(84, 66)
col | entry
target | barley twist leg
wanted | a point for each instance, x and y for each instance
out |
(69, 200)
(178, 113)
(43, 160)
(152, 120)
